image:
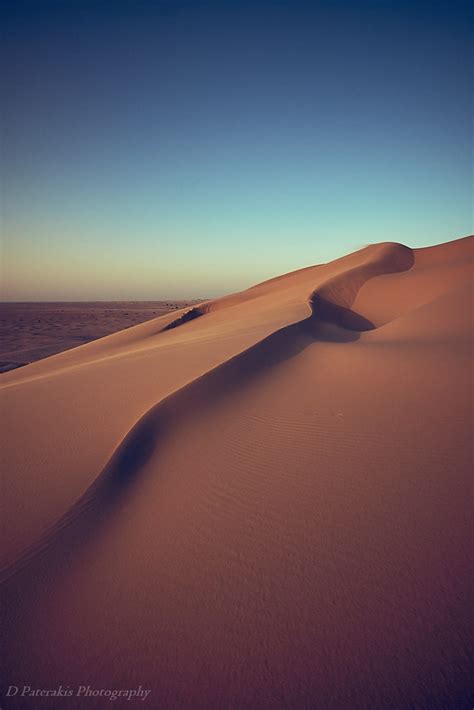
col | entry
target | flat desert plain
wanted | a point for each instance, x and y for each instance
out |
(32, 331)
(261, 501)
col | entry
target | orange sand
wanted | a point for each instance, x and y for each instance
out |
(264, 506)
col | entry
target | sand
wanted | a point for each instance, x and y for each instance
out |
(258, 502)
(32, 331)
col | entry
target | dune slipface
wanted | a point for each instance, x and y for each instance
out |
(258, 502)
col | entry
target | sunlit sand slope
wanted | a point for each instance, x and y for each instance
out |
(260, 502)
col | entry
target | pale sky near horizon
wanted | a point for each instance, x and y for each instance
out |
(186, 149)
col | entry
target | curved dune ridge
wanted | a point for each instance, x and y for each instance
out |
(285, 524)
(329, 305)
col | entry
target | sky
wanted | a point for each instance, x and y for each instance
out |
(187, 149)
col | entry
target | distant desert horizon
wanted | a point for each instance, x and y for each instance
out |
(33, 330)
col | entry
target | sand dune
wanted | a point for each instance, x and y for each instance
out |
(259, 501)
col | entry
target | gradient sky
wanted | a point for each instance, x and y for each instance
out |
(189, 149)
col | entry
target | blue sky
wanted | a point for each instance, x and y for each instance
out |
(189, 149)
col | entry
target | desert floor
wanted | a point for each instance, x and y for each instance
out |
(260, 501)
(32, 331)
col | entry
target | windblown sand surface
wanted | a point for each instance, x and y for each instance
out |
(32, 331)
(259, 503)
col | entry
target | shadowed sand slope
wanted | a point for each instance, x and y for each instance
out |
(259, 503)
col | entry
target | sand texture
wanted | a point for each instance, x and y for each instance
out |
(260, 501)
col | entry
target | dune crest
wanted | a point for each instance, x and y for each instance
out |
(258, 501)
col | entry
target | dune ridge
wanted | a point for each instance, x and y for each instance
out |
(329, 303)
(274, 408)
